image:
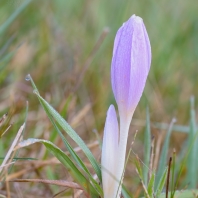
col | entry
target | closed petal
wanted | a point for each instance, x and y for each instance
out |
(109, 154)
(121, 63)
(130, 64)
(140, 62)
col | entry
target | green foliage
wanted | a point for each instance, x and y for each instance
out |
(138, 167)
(164, 153)
(57, 39)
(161, 183)
(67, 128)
(13, 17)
(147, 147)
(151, 185)
(4, 61)
(66, 161)
(189, 158)
(5, 55)
(182, 194)
(192, 141)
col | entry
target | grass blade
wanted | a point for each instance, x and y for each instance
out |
(192, 158)
(164, 153)
(73, 154)
(161, 183)
(67, 128)
(183, 163)
(183, 194)
(66, 161)
(147, 147)
(140, 174)
(125, 192)
(9, 21)
(138, 167)
(6, 59)
(151, 183)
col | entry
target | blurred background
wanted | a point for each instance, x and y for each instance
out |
(66, 46)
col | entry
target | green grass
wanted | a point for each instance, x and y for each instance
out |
(59, 43)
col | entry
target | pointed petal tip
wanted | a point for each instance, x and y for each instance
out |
(137, 19)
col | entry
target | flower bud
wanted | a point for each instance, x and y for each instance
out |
(130, 64)
(129, 70)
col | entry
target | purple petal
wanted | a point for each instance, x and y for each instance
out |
(130, 63)
(140, 62)
(120, 66)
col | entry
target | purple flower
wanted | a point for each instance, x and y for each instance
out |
(129, 70)
(130, 64)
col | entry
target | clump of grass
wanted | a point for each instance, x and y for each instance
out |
(167, 178)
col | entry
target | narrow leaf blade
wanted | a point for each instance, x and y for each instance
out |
(147, 147)
(68, 129)
(164, 153)
(65, 160)
(151, 185)
(192, 158)
(161, 183)
(12, 17)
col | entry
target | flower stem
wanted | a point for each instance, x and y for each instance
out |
(124, 129)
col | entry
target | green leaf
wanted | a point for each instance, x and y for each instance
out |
(161, 183)
(151, 183)
(5, 47)
(74, 155)
(6, 59)
(67, 128)
(147, 147)
(20, 158)
(192, 158)
(164, 153)
(66, 161)
(183, 194)
(125, 192)
(165, 126)
(139, 169)
(12, 17)
(80, 163)
(183, 163)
